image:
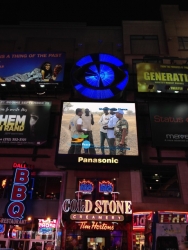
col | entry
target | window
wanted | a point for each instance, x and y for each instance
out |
(183, 43)
(147, 45)
(160, 181)
(47, 188)
(38, 187)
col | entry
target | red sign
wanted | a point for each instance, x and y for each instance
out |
(22, 165)
(16, 208)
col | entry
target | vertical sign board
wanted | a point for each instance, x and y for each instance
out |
(16, 207)
(169, 123)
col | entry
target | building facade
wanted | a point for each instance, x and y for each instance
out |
(158, 182)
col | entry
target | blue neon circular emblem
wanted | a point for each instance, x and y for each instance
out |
(99, 76)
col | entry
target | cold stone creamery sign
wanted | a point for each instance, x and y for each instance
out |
(104, 210)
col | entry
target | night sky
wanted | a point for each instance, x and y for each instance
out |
(99, 12)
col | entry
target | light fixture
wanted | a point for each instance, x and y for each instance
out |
(159, 91)
(3, 84)
(42, 93)
(156, 180)
(176, 91)
(22, 85)
(29, 218)
(42, 85)
(48, 218)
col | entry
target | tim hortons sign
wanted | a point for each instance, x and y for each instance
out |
(103, 209)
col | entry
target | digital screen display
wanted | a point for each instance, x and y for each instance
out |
(169, 124)
(38, 67)
(24, 122)
(101, 138)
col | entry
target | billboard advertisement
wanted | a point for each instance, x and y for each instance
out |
(169, 124)
(24, 122)
(37, 67)
(153, 77)
(171, 236)
(98, 141)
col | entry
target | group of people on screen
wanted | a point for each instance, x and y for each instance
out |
(113, 129)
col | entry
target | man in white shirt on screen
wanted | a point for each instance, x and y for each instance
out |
(103, 132)
(110, 131)
(88, 120)
(75, 126)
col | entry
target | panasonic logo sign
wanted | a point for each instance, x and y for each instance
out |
(98, 160)
(177, 136)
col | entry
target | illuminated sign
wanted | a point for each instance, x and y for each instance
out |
(95, 226)
(22, 165)
(153, 77)
(106, 187)
(99, 76)
(98, 160)
(96, 217)
(24, 122)
(35, 67)
(12, 221)
(46, 226)
(173, 218)
(94, 160)
(16, 207)
(86, 186)
(139, 220)
(100, 206)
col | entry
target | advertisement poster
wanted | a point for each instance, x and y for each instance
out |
(24, 122)
(37, 67)
(169, 123)
(153, 77)
(96, 109)
(176, 233)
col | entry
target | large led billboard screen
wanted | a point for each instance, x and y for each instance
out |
(93, 145)
(153, 77)
(38, 67)
(169, 122)
(24, 122)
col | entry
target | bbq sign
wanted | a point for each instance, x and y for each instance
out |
(16, 207)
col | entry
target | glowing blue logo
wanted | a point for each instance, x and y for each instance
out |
(99, 76)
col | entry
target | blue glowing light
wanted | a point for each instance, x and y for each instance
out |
(110, 59)
(84, 60)
(99, 78)
(123, 83)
